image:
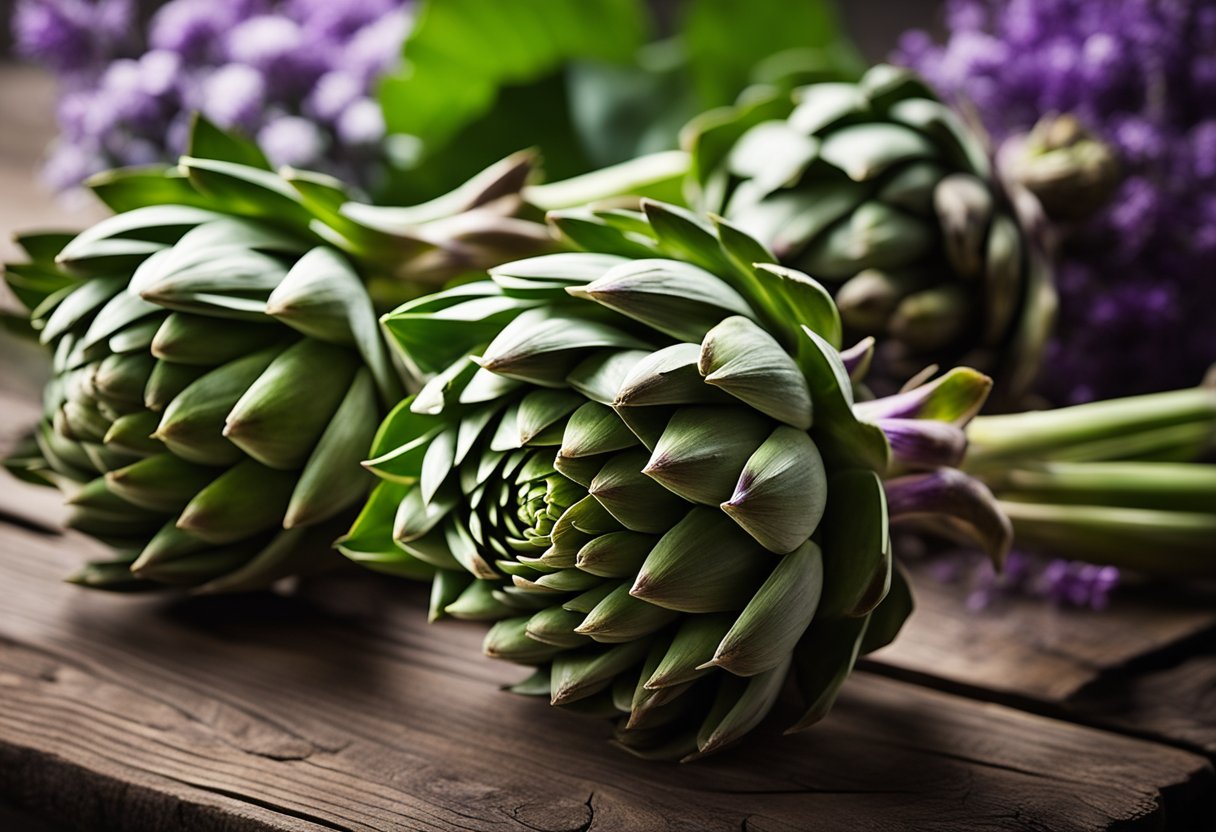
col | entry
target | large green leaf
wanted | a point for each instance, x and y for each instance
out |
(730, 45)
(462, 54)
(583, 80)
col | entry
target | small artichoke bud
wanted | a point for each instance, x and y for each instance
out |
(1071, 171)
(965, 207)
(853, 183)
(868, 300)
(932, 319)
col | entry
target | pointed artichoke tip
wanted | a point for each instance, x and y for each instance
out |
(563, 694)
(580, 292)
(278, 308)
(190, 520)
(716, 661)
(79, 578)
(691, 758)
(642, 586)
(491, 363)
(799, 727)
(142, 564)
(216, 587)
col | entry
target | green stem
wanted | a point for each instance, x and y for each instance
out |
(1049, 433)
(1163, 543)
(657, 175)
(1188, 487)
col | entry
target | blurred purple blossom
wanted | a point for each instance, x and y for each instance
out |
(1062, 582)
(1137, 282)
(298, 75)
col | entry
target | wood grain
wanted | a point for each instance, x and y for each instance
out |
(272, 712)
(1034, 649)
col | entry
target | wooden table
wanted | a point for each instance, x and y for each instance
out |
(336, 707)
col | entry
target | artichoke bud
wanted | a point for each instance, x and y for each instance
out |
(932, 319)
(1072, 172)
(219, 365)
(868, 300)
(674, 491)
(965, 208)
(861, 184)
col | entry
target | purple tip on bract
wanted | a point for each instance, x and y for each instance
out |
(923, 443)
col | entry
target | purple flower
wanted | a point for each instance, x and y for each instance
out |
(192, 28)
(233, 96)
(361, 124)
(291, 140)
(1064, 583)
(71, 35)
(1135, 281)
(261, 66)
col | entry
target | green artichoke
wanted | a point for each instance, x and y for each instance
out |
(219, 371)
(652, 473)
(875, 189)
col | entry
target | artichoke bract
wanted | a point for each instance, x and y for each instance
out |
(652, 474)
(877, 190)
(219, 371)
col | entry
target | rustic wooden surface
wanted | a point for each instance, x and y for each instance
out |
(1145, 666)
(337, 707)
(269, 712)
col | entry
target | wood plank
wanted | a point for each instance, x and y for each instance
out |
(273, 712)
(1146, 664)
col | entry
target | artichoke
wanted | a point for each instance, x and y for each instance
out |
(219, 371)
(876, 189)
(651, 472)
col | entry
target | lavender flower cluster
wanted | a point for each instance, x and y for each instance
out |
(1064, 583)
(1137, 283)
(296, 75)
